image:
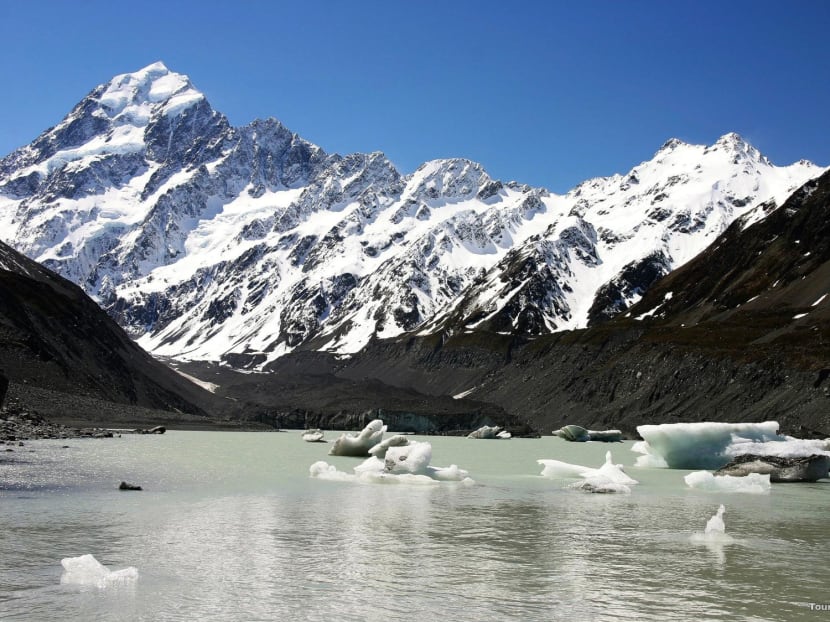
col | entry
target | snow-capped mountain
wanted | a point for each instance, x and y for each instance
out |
(212, 242)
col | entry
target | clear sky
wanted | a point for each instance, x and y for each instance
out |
(547, 93)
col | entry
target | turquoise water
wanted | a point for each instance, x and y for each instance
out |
(229, 526)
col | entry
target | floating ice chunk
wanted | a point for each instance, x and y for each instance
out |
(412, 458)
(609, 477)
(556, 469)
(578, 434)
(360, 444)
(698, 445)
(86, 570)
(405, 464)
(380, 449)
(715, 531)
(486, 432)
(600, 484)
(504, 434)
(313, 436)
(753, 483)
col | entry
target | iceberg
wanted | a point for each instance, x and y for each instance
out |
(715, 531)
(609, 477)
(360, 444)
(487, 432)
(753, 483)
(86, 570)
(579, 434)
(710, 445)
(402, 464)
(379, 450)
(313, 436)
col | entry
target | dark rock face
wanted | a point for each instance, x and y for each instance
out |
(806, 469)
(630, 284)
(53, 336)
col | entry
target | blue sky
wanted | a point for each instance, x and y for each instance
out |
(546, 93)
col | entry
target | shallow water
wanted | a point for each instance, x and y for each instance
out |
(229, 526)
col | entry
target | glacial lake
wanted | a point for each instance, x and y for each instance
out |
(230, 526)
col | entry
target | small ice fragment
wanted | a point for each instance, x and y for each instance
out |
(715, 531)
(86, 570)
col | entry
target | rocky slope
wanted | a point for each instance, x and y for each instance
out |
(209, 242)
(740, 333)
(55, 341)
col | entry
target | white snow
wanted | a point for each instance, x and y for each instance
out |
(207, 386)
(86, 570)
(753, 483)
(817, 302)
(710, 445)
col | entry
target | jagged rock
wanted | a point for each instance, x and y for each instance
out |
(805, 469)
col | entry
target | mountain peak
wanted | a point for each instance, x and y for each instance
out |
(670, 145)
(732, 139)
(153, 84)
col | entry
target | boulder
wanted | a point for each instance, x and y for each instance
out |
(804, 469)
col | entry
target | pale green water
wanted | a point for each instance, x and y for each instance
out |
(230, 527)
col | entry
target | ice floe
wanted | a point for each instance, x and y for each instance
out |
(753, 483)
(402, 464)
(609, 477)
(710, 445)
(86, 570)
(359, 444)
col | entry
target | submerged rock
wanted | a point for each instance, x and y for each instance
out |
(779, 469)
